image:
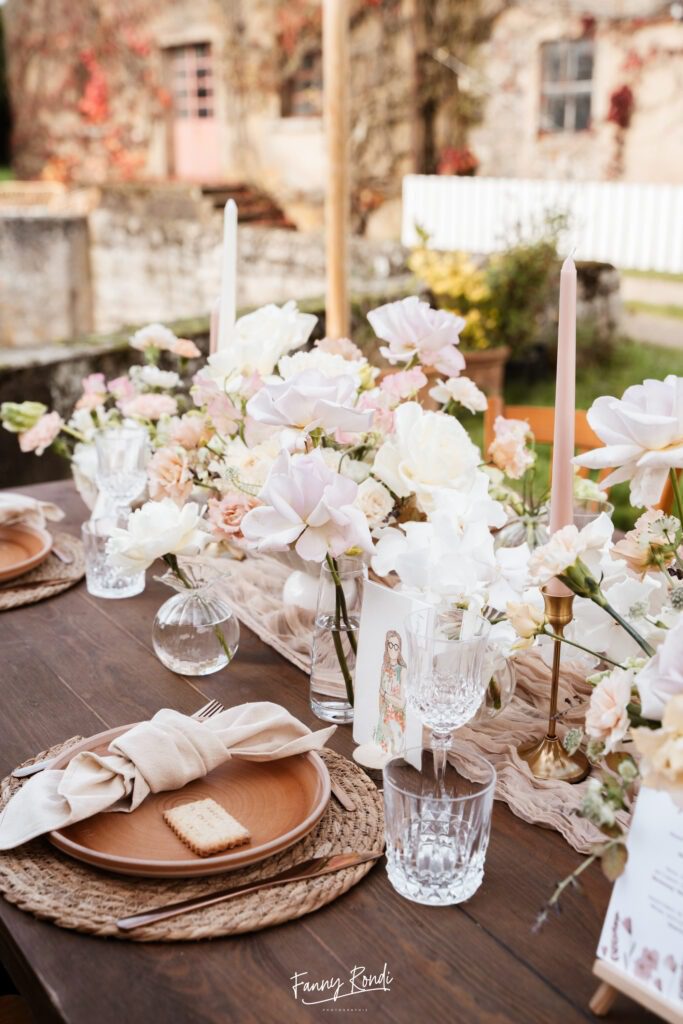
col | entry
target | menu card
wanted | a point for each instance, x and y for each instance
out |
(642, 936)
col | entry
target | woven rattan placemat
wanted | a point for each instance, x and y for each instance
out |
(40, 879)
(49, 578)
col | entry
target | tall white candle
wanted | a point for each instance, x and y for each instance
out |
(228, 275)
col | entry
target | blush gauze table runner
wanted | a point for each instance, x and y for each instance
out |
(254, 586)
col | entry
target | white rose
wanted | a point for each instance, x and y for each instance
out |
(328, 363)
(551, 559)
(153, 336)
(153, 377)
(525, 618)
(374, 501)
(462, 390)
(426, 452)
(259, 340)
(158, 528)
(607, 718)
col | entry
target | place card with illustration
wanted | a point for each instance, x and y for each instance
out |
(641, 947)
(383, 724)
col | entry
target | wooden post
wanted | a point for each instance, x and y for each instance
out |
(336, 75)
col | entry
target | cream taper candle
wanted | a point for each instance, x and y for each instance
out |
(228, 275)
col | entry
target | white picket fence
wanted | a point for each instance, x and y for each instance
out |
(632, 226)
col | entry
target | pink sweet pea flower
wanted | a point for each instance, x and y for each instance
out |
(310, 506)
(42, 434)
(413, 328)
(94, 392)
(185, 349)
(340, 347)
(122, 388)
(404, 384)
(190, 431)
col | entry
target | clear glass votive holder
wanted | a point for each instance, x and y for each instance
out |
(586, 512)
(437, 833)
(101, 578)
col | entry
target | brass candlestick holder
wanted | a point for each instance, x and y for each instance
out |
(546, 757)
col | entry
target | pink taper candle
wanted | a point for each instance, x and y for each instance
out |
(562, 492)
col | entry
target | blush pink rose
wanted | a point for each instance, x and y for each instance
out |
(150, 406)
(169, 475)
(508, 450)
(226, 514)
(42, 434)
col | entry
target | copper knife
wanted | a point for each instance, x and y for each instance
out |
(303, 871)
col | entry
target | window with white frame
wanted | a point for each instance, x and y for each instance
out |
(566, 84)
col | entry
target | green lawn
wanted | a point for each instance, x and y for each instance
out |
(6, 174)
(656, 309)
(652, 275)
(631, 363)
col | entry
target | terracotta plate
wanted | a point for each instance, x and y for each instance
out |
(278, 801)
(22, 548)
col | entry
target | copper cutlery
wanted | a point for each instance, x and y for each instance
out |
(305, 870)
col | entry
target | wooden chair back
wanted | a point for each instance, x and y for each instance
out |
(541, 420)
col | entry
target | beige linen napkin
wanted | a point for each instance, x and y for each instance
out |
(20, 508)
(165, 753)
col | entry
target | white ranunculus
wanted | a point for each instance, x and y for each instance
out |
(662, 677)
(374, 501)
(426, 452)
(259, 340)
(153, 377)
(461, 390)
(158, 528)
(643, 436)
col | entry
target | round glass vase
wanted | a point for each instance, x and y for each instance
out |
(335, 638)
(530, 527)
(195, 632)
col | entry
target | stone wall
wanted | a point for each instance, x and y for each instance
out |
(148, 267)
(45, 291)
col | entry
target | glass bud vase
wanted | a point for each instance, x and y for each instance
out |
(530, 527)
(195, 632)
(335, 638)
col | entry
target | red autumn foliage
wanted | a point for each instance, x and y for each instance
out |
(621, 103)
(457, 160)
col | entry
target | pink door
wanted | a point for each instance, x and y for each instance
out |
(196, 150)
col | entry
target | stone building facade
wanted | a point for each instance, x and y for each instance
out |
(583, 90)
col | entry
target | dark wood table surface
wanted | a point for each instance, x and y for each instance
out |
(77, 664)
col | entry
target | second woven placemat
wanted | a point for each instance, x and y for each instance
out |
(39, 879)
(49, 578)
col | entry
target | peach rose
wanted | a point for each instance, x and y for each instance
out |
(150, 406)
(508, 449)
(169, 475)
(662, 751)
(190, 432)
(607, 718)
(185, 348)
(41, 436)
(226, 514)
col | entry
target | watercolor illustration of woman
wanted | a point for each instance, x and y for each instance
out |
(392, 696)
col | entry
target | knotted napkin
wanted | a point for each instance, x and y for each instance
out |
(20, 508)
(165, 753)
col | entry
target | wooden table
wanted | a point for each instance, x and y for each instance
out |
(76, 664)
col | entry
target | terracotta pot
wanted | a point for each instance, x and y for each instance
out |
(487, 368)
